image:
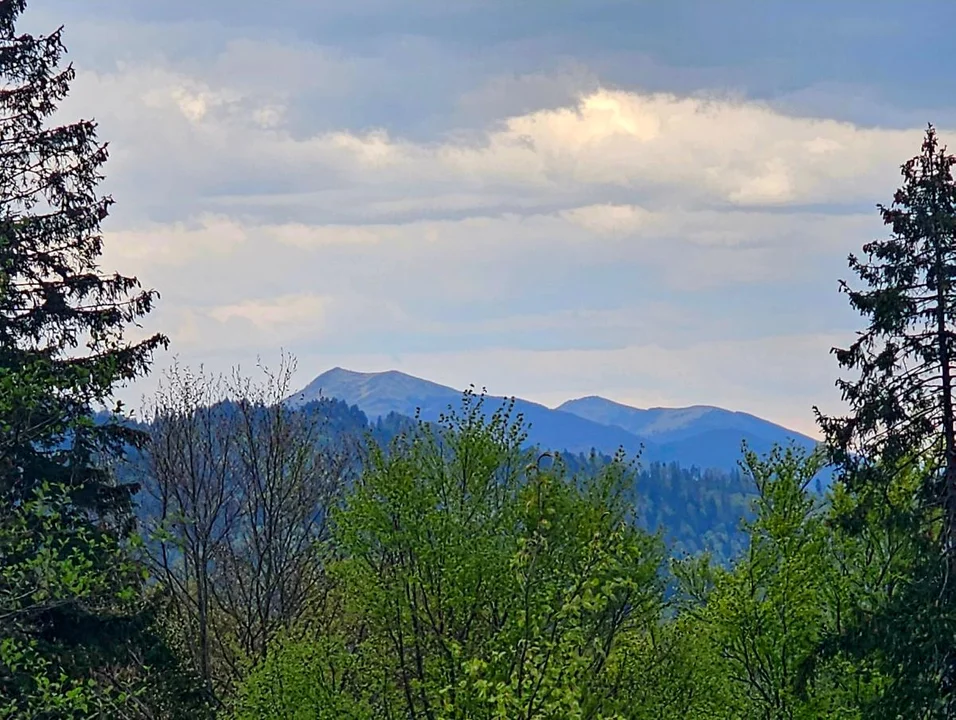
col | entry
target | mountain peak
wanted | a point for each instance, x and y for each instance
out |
(339, 371)
(700, 435)
(598, 400)
(376, 393)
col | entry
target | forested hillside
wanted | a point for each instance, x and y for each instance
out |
(695, 510)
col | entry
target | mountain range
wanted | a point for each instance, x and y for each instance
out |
(701, 436)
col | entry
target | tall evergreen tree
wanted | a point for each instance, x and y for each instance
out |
(902, 416)
(902, 400)
(70, 616)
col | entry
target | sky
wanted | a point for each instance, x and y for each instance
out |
(649, 201)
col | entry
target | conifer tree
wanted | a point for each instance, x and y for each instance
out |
(902, 419)
(71, 620)
(902, 400)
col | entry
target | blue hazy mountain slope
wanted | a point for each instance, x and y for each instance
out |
(673, 424)
(378, 394)
(703, 436)
(720, 448)
(692, 435)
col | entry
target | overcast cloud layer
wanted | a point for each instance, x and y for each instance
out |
(647, 201)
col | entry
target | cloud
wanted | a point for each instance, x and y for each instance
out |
(225, 334)
(701, 149)
(609, 219)
(632, 148)
(301, 310)
(175, 244)
(535, 220)
(683, 249)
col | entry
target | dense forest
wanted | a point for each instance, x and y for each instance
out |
(695, 510)
(231, 556)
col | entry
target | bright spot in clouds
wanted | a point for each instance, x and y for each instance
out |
(554, 215)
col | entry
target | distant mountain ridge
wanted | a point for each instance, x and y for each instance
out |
(378, 394)
(696, 509)
(702, 436)
(674, 423)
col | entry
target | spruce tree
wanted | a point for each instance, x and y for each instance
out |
(901, 401)
(72, 626)
(902, 418)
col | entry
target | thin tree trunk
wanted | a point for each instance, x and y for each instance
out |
(949, 432)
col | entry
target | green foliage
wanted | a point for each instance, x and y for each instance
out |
(308, 677)
(672, 671)
(897, 446)
(69, 601)
(897, 617)
(766, 613)
(485, 585)
(695, 510)
(76, 631)
(901, 402)
(43, 567)
(476, 582)
(763, 629)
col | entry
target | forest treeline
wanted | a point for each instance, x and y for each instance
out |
(695, 510)
(233, 557)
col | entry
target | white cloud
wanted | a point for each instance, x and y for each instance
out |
(208, 238)
(655, 148)
(590, 275)
(737, 152)
(686, 249)
(312, 236)
(559, 251)
(303, 310)
(609, 219)
(242, 330)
